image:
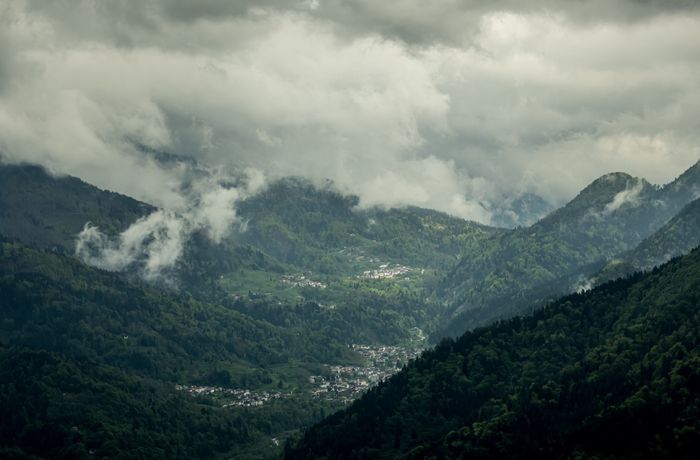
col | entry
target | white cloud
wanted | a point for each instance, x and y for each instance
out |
(448, 105)
(629, 196)
(154, 244)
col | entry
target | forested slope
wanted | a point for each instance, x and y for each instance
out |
(48, 211)
(611, 373)
(89, 361)
(677, 237)
(510, 271)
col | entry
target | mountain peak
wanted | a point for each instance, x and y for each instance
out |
(613, 178)
(609, 191)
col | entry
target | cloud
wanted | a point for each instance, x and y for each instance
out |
(154, 244)
(448, 105)
(629, 196)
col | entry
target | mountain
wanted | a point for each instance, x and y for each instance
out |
(256, 313)
(307, 280)
(610, 373)
(684, 188)
(520, 211)
(513, 270)
(56, 302)
(373, 269)
(309, 227)
(292, 230)
(48, 211)
(90, 349)
(677, 237)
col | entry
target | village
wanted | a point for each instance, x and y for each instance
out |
(342, 384)
(347, 383)
(385, 271)
(232, 396)
(302, 280)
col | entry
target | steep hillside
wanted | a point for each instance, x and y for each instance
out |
(511, 271)
(39, 209)
(677, 237)
(683, 189)
(115, 359)
(381, 265)
(612, 373)
(55, 302)
(318, 229)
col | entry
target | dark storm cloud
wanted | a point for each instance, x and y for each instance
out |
(420, 22)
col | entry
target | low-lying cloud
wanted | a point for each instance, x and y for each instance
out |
(628, 197)
(154, 244)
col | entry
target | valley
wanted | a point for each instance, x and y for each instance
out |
(310, 309)
(349, 230)
(339, 385)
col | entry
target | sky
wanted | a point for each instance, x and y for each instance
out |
(446, 104)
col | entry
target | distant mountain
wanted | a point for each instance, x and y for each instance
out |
(679, 236)
(520, 211)
(684, 189)
(612, 373)
(291, 227)
(303, 225)
(321, 232)
(292, 221)
(512, 270)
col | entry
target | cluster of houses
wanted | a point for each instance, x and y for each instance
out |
(385, 271)
(347, 383)
(387, 357)
(232, 396)
(342, 384)
(302, 280)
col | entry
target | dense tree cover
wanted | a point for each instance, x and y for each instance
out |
(307, 227)
(48, 211)
(363, 317)
(56, 407)
(678, 236)
(509, 271)
(610, 373)
(53, 406)
(56, 303)
(84, 348)
(293, 225)
(290, 227)
(127, 343)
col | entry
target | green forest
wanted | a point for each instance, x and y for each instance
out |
(246, 343)
(610, 373)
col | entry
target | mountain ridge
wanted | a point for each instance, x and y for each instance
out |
(608, 217)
